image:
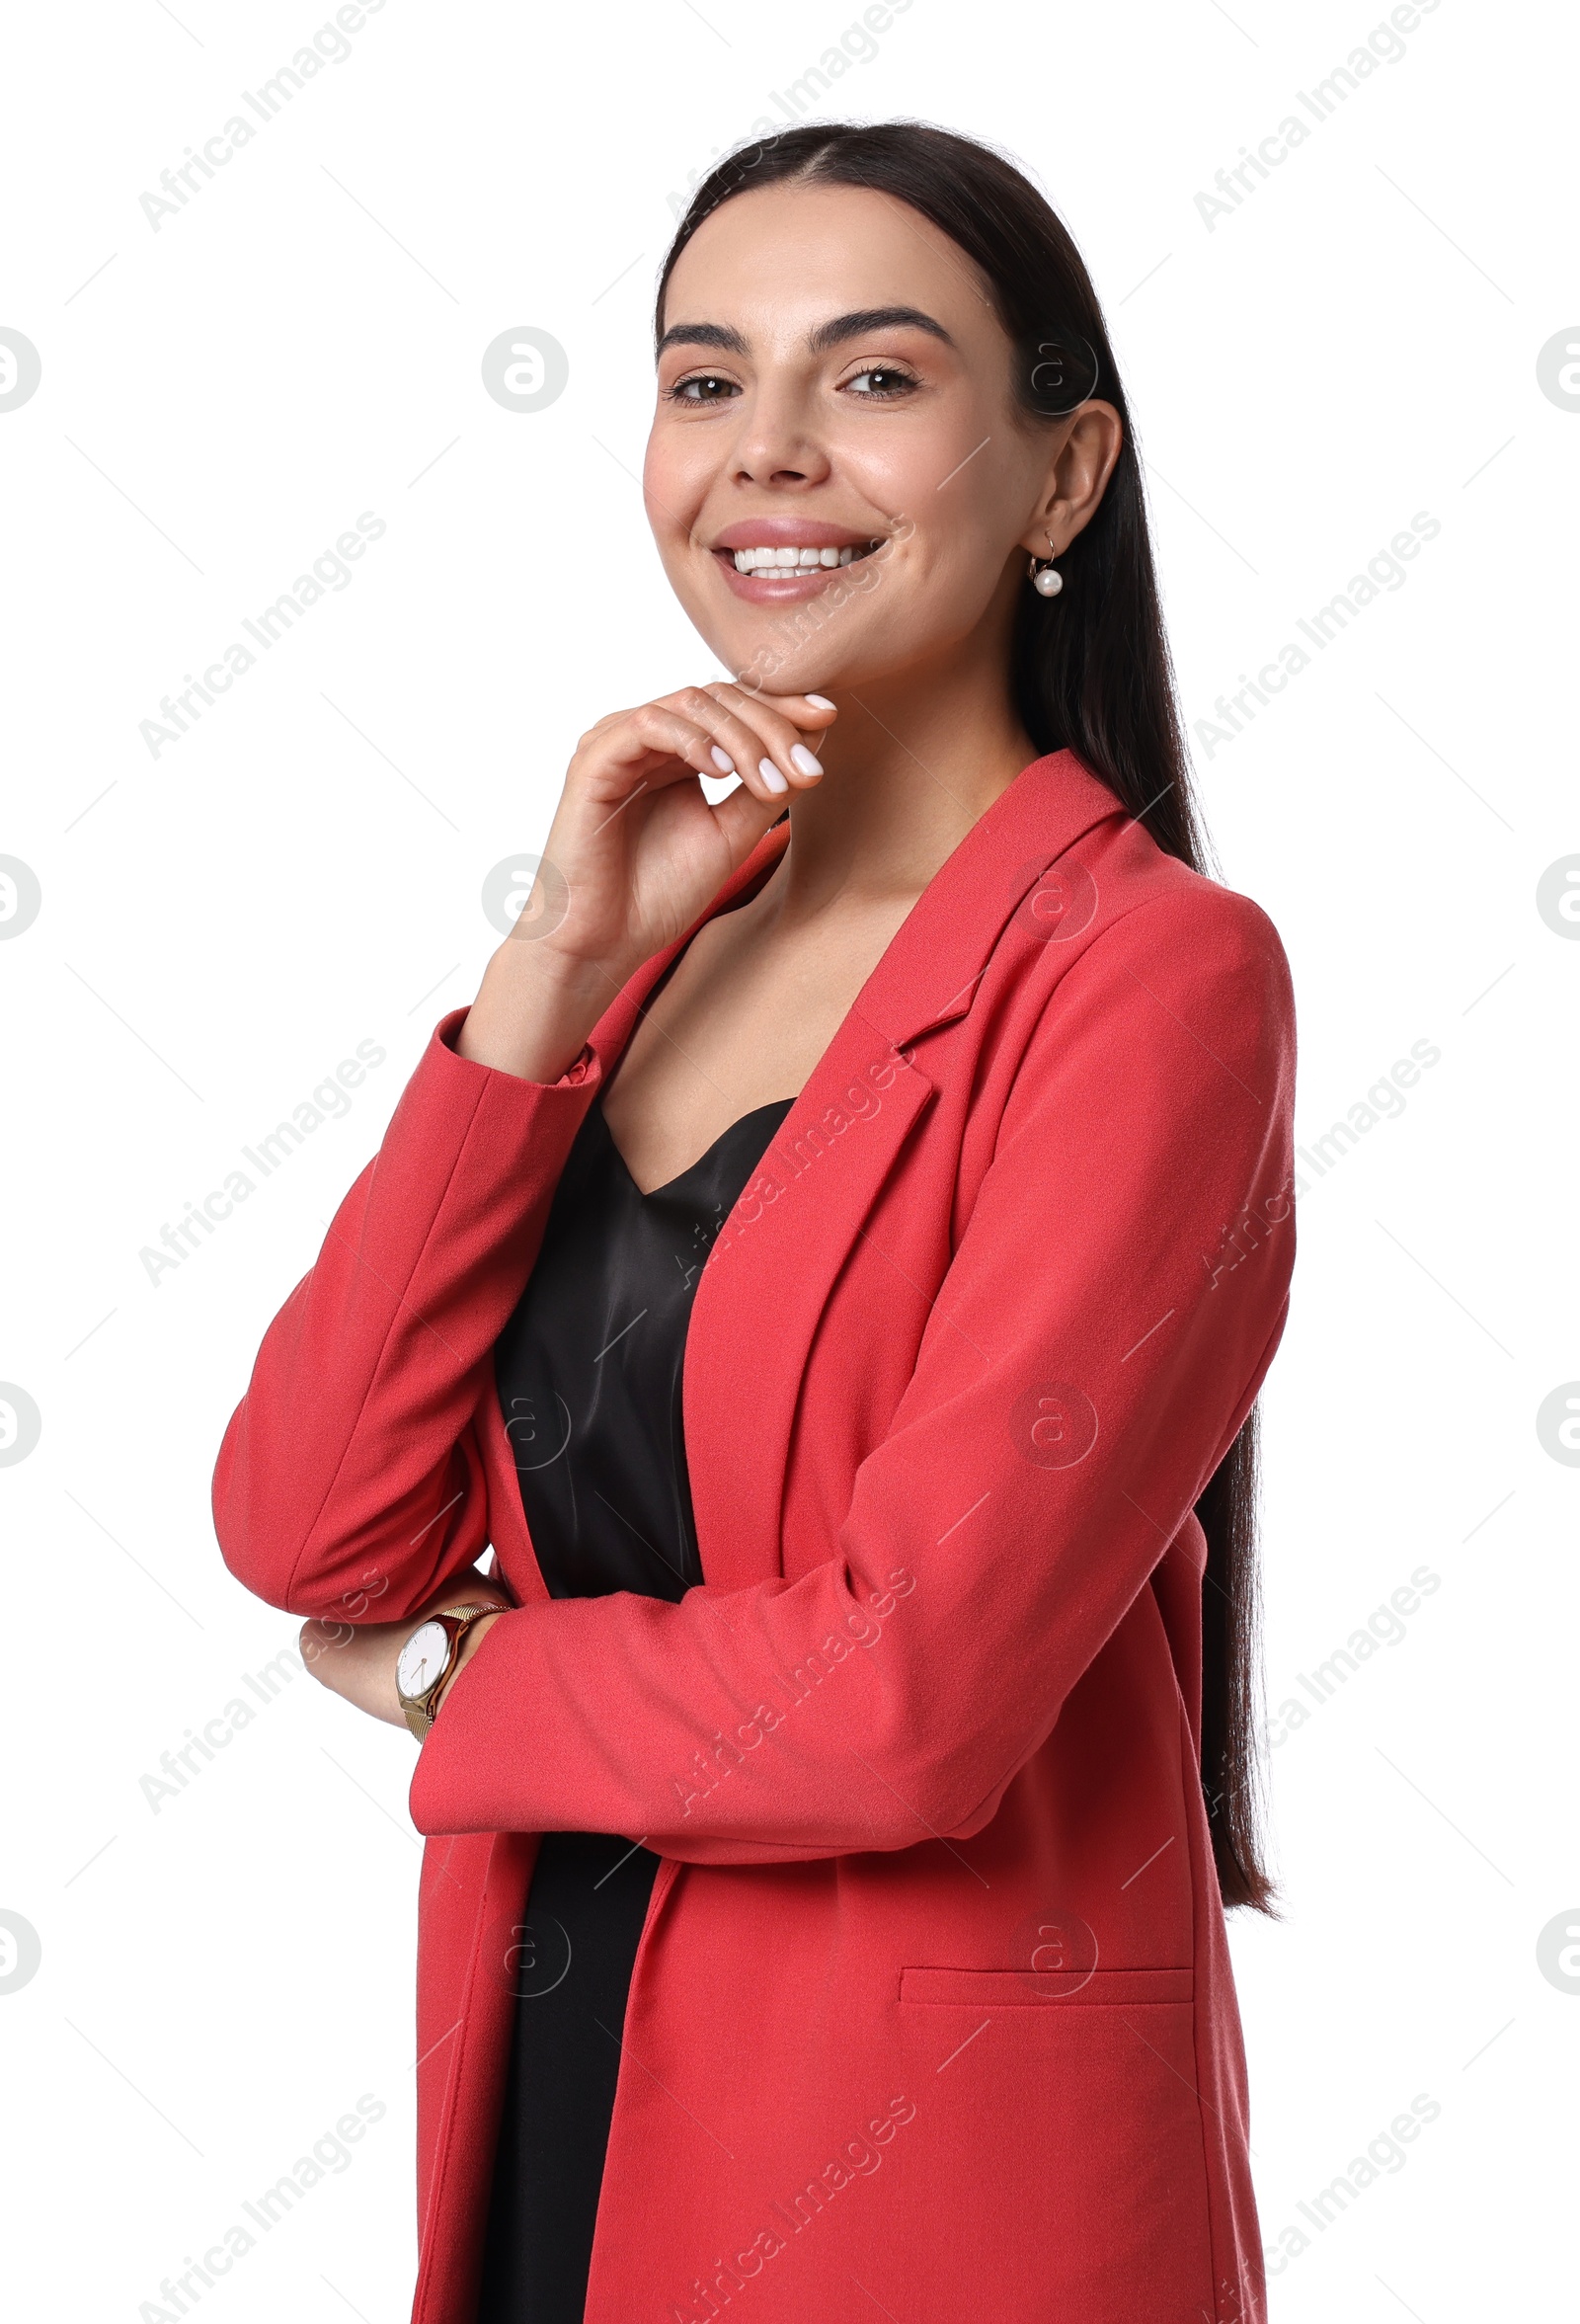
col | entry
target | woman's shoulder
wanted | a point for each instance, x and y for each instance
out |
(1116, 896)
(1130, 933)
(1146, 1005)
(1146, 896)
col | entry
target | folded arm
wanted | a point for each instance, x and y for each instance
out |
(1097, 1342)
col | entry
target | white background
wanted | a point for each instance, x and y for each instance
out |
(220, 399)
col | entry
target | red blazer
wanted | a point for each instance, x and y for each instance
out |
(932, 2014)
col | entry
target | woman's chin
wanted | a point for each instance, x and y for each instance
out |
(813, 642)
(764, 661)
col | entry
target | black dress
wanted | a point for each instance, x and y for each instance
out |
(588, 1372)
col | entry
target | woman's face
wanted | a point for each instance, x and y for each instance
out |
(835, 387)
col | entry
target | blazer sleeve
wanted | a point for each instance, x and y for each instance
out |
(350, 1482)
(1099, 1337)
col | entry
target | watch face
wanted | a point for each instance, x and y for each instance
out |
(422, 1659)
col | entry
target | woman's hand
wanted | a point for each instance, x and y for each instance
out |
(356, 1660)
(634, 855)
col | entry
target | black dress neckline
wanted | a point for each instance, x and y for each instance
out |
(778, 1106)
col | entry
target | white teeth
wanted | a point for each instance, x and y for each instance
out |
(779, 560)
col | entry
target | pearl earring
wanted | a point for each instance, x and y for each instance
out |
(1044, 579)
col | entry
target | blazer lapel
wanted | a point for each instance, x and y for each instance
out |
(777, 1255)
(765, 1285)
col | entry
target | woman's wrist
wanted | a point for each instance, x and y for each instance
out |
(533, 1012)
(471, 1639)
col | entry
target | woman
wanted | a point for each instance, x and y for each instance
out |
(865, 1707)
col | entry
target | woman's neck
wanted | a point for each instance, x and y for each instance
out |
(911, 764)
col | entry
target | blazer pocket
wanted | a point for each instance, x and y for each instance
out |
(1020, 1989)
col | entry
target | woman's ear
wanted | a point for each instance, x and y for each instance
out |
(1082, 457)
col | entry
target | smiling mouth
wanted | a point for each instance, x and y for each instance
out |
(772, 562)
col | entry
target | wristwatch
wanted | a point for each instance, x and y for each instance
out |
(429, 1659)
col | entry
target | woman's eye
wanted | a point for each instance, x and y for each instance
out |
(705, 389)
(880, 380)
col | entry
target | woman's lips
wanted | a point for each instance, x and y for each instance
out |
(785, 585)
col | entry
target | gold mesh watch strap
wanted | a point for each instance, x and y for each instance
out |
(421, 1713)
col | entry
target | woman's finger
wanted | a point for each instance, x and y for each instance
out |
(780, 739)
(659, 732)
(736, 748)
(804, 710)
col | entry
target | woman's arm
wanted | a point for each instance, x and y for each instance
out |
(356, 1660)
(1099, 1338)
(349, 1481)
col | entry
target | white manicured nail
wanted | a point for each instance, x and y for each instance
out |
(803, 762)
(723, 760)
(772, 776)
(820, 702)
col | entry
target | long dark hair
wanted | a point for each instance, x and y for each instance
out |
(1096, 680)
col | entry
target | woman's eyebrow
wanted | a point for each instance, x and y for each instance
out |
(873, 318)
(825, 336)
(702, 335)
